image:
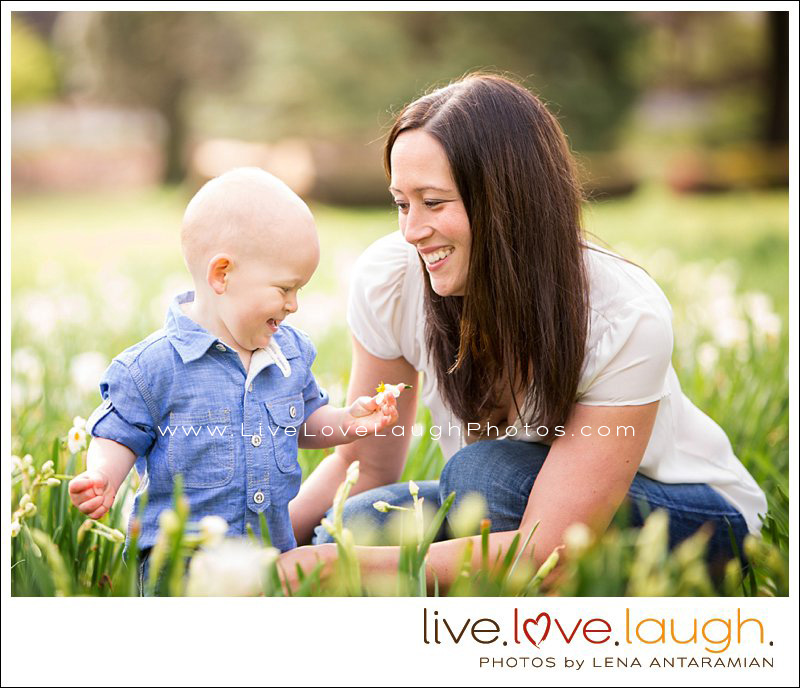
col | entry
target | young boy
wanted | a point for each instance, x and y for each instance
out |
(223, 393)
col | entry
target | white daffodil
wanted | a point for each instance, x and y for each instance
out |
(26, 363)
(76, 440)
(234, 567)
(707, 357)
(213, 529)
(385, 389)
(79, 422)
(86, 369)
(578, 537)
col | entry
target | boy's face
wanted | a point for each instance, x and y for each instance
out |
(262, 290)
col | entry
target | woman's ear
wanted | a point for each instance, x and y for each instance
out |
(217, 275)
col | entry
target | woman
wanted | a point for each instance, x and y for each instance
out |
(490, 290)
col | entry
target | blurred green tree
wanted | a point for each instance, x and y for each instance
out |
(338, 74)
(33, 67)
(155, 59)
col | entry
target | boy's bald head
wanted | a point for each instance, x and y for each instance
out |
(244, 212)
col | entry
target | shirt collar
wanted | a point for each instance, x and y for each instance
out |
(192, 341)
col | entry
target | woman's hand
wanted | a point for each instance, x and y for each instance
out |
(307, 557)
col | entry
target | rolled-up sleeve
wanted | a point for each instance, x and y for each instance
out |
(123, 416)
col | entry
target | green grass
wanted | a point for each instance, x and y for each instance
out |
(89, 272)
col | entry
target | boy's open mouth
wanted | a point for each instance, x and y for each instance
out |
(273, 324)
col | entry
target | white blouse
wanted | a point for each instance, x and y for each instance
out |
(627, 362)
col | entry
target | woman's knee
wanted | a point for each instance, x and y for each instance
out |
(489, 465)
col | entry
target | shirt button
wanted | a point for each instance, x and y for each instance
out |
(292, 411)
(258, 497)
(220, 347)
(255, 440)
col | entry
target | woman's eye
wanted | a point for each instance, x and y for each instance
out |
(401, 205)
(432, 204)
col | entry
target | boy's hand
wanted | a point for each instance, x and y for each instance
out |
(372, 413)
(92, 493)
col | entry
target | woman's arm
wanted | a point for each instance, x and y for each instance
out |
(584, 479)
(381, 458)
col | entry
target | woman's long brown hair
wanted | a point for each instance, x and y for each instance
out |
(523, 319)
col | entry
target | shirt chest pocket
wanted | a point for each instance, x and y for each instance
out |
(201, 448)
(285, 419)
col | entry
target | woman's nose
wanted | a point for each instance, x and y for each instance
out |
(416, 226)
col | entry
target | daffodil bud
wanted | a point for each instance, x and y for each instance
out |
(30, 509)
(24, 500)
(352, 473)
(47, 466)
(549, 564)
(413, 488)
(381, 506)
(85, 527)
(328, 526)
(15, 528)
(53, 482)
(168, 522)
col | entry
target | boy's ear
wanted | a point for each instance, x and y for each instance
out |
(217, 276)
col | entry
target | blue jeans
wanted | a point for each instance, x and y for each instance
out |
(504, 471)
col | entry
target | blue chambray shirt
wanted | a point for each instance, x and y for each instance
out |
(183, 403)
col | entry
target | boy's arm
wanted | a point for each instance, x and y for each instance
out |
(107, 464)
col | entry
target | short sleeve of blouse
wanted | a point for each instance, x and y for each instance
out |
(630, 363)
(375, 305)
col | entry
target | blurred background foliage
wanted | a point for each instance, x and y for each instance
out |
(312, 92)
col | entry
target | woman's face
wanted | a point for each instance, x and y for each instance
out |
(430, 211)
